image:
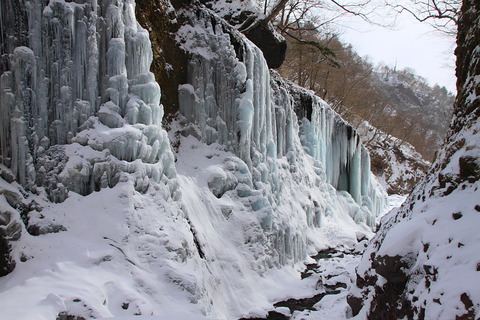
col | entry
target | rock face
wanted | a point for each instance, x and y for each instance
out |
(169, 63)
(424, 261)
(272, 44)
(395, 163)
(243, 16)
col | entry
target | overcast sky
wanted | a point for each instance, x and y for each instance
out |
(409, 44)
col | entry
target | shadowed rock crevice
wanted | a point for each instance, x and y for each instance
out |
(6, 263)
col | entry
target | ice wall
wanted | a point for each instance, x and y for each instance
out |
(237, 103)
(80, 113)
(78, 73)
(333, 142)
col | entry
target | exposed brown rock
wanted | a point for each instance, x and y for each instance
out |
(169, 61)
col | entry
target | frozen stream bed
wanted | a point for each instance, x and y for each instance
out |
(329, 276)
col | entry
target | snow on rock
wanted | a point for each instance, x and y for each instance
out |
(424, 261)
(395, 163)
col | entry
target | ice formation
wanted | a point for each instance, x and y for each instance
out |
(251, 188)
(235, 102)
(83, 66)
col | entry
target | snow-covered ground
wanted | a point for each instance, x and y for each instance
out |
(132, 255)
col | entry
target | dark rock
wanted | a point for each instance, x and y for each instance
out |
(466, 301)
(470, 311)
(332, 289)
(177, 4)
(388, 302)
(469, 168)
(361, 236)
(169, 61)
(391, 268)
(303, 104)
(431, 271)
(35, 230)
(325, 254)
(355, 303)
(301, 304)
(457, 215)
(65, 316)
(7, 264)
(272, 44)
(272, 315)
(426, 246)
(310, 269)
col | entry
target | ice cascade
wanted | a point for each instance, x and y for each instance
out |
(236, 101)
(264, 170)
(81, 66)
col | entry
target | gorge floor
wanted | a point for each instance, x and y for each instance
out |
(333, 271)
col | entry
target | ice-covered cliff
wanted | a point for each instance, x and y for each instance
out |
(101, 217)
(234, 101)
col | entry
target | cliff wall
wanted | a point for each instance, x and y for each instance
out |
(423, 262)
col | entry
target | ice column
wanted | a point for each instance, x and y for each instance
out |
(333, 142)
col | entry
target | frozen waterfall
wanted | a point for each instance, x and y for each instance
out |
(83, 66)
(259, 179)
(235, 101)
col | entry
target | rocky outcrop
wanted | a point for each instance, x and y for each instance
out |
(262, 33)
(272, 44)
(396, 164)
(169, 63)
(424, 262)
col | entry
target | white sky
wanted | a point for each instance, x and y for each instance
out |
(409, 44)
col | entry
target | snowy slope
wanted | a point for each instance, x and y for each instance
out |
(101, 217)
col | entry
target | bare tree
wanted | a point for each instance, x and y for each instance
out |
(442, 14)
